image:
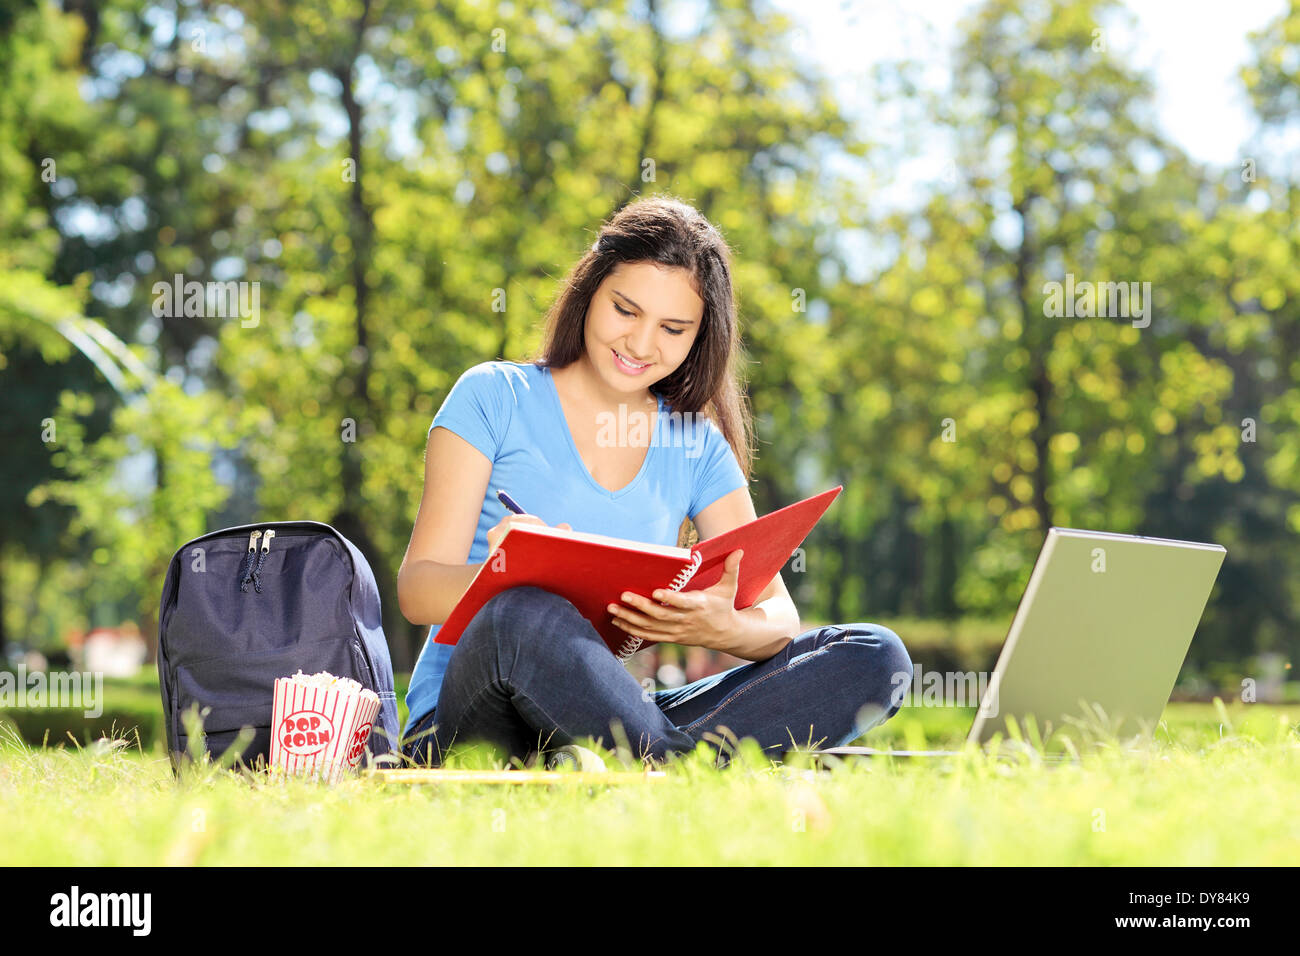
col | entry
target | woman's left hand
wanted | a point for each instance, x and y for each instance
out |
(704, 618)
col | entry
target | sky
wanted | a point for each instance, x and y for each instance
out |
(1192, 48)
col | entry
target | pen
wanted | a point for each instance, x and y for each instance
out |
(510, 502)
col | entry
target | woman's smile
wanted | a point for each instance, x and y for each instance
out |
(625, 365)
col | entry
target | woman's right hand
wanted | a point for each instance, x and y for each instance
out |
(495, 535)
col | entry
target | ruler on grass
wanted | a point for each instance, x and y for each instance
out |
(437, 777)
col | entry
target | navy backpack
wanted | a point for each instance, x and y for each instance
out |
(245, 605)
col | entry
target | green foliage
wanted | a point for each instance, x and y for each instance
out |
(130, 710)
(171, 436)
(408, 189)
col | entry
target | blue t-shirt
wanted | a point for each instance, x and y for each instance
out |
(511, 412)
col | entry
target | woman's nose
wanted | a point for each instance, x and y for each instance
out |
(642, 342)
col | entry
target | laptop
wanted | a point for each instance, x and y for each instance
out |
(1097, 641)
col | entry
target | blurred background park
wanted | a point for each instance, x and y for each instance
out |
(397, 189)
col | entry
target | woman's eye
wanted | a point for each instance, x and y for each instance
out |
(669, 329)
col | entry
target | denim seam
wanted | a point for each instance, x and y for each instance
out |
(469, 706)
(475, 699)
(748, 687)
(427, 737)
(653, 738)
(465, 710)
(509, 679)
(551, 720)
(691, 696)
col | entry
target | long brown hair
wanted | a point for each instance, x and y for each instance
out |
(669, 232)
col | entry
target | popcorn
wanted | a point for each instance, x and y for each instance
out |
(326, 679)
(320, 724)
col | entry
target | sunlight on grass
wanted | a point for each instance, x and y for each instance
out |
(1215, 785)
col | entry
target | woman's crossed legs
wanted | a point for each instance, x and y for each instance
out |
(531, 673)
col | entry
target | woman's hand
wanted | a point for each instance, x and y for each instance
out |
(498, 532)
(705, 618)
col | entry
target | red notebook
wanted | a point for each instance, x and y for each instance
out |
(592, 571)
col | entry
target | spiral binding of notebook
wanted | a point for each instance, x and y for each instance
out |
(633, 643)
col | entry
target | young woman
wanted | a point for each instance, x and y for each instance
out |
(645, 327)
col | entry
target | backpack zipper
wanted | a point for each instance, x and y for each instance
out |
(246, 566)
(266, 549)
(291, 528)
(250, 571)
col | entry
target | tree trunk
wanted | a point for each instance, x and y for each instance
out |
(1039, 383)
(3, 634)
(348, 520)
(945, 596)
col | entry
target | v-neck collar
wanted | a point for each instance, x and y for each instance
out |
(573, 446)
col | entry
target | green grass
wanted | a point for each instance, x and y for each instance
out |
(1216, 786)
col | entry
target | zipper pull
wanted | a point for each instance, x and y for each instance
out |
(245, 568)
(257, 568)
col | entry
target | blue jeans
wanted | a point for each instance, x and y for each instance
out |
(530, 673)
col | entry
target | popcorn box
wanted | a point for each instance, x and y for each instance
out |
(320, 724)
(367, 710)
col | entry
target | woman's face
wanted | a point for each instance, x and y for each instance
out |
(648, 314)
